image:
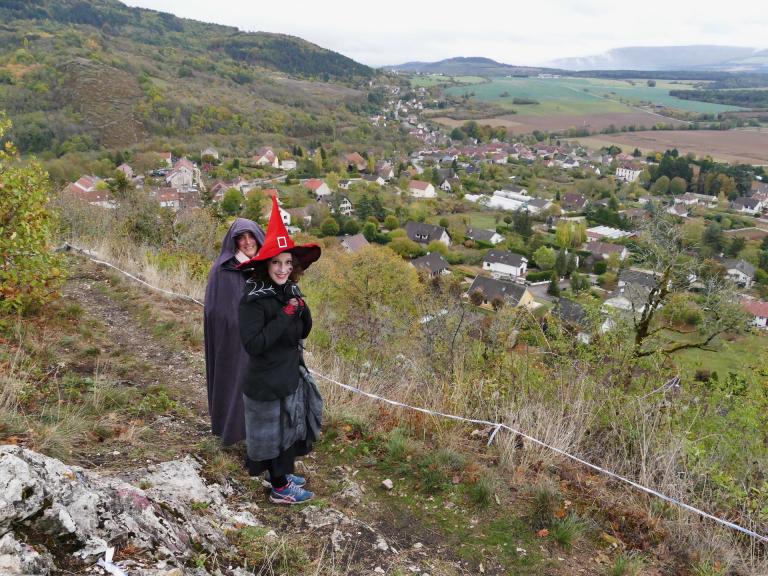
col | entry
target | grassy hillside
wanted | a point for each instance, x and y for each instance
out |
(79, 75)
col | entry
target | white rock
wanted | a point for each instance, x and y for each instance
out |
(418, 545)
(381, 544)
(379, 570)
(388, 484)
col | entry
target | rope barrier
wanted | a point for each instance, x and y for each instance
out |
(496, 426)
(129, 275)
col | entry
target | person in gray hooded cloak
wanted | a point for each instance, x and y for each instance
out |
(225, 356)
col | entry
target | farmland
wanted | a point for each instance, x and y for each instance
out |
(437, 79)
(521, 124)
(580, 96)
(745, 146)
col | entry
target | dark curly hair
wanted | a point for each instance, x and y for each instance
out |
(260, 270)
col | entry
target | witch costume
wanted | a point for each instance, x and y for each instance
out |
(283, 407)
(225, 356)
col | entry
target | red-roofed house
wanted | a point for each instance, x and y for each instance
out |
(265, 156)
(167, 158)
(354, 159)
(420, 189)
(87, 189)
(168, 198)
(318, 187)
(184, 175)
(758, 310)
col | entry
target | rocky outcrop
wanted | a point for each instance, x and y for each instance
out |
(54, 516)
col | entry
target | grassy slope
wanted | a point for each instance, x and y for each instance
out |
(452, 506)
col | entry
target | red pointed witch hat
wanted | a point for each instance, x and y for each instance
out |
(278, 241)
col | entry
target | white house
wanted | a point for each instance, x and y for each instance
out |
(426, 233)
(758, 310)
(184, 176)
(747, 205)
(318, 187)
(740, 272)
(169, 198)
(505, 264)
(419, 189)
(483, 235)
(628, 173)
(265, 156)
(211, 152)
(285, 216)
(288, 164)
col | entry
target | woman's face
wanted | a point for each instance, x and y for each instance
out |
(280, 268)
(246, 243)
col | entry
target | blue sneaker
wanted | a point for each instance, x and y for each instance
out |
(296, 480)
(292, 479)
(290, 494)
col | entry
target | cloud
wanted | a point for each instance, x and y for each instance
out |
(525, 33)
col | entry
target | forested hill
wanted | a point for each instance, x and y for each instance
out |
(275, 51)
(79, 74)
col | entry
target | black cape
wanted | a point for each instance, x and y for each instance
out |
(225, 357)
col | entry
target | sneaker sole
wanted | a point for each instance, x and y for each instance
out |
(288, 502)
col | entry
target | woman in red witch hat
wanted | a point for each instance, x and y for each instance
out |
(283, 408)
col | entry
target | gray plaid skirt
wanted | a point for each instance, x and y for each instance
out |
(273, 426)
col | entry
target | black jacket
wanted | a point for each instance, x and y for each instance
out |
(272, 339)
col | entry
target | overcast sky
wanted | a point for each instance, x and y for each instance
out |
(523, 32)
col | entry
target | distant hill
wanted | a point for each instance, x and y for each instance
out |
(77, 75)
(704, 57)
(469, 66)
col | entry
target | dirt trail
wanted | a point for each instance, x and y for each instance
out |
(155, 361)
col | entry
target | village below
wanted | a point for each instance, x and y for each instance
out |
(542, 340)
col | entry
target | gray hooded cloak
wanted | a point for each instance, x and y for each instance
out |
(225, 356)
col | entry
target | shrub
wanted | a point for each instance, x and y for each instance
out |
(535, 276)
(406, 248)
(600, 267)
(30, 273)
(329, 227)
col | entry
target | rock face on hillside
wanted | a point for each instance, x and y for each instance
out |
(105, 98)
(54, 516)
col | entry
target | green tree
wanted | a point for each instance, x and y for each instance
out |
(30, 274)
(253, 206)
(661, 186)
(120, 185)
(351, 227)
(329, 227)
(561, 263)
(369, 231)
(553, 289)
(231, 202)
(677, 186)
(406, 247)
(579, 282)
(391, 222)
(545, 258)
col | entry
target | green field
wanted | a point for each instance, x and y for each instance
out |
(741, 355)
(581, 96)
(437, 79)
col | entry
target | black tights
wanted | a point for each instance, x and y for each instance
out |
(278, 468)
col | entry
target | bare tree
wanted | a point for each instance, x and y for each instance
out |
(676, 269)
